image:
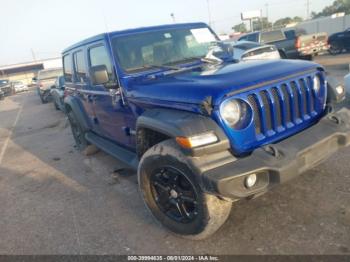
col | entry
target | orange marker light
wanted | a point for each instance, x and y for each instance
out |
(197, 141)
(184, 142)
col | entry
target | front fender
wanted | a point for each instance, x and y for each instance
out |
(175, 123)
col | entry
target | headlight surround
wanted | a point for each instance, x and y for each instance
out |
(236, 113)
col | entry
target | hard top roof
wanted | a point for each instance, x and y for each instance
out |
(131, 31)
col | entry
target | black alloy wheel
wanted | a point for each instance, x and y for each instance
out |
(174, 194)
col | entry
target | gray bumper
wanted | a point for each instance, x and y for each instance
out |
(280, 162)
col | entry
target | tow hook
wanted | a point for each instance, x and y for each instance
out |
(335, 119)
(273, 151)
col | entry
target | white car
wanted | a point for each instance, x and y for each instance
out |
(19, 86)
(246, 50)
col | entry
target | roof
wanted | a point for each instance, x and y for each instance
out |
(131, 31)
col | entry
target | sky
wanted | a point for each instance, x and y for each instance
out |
(43, 28)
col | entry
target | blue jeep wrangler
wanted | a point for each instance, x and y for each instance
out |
(201, 130)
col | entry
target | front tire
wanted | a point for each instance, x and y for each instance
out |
(171, 192)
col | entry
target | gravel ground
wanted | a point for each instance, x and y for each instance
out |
(55, 200)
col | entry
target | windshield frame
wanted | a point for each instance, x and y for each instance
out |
(155, 68)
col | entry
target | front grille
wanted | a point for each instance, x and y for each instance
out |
(280, 107)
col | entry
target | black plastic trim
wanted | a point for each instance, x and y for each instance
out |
(79, 112)
(174, 123)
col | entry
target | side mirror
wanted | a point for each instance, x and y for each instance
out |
(99, 75)
(34, 79)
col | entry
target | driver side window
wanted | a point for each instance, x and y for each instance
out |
(98, 56)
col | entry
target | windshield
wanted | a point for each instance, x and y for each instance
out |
(47, 74)
(142, 51)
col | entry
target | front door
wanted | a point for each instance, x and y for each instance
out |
(113, 118)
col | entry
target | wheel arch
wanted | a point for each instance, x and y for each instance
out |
(73, 104)
(168, 123)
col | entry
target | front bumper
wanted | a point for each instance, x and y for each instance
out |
(280, 162)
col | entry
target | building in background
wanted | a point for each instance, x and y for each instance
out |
(26, 71)
(330, 24)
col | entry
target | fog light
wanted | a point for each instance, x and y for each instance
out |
(250, 181)
(340, 90)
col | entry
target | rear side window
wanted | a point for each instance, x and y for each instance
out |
(79, 67)
(67, 68)
(253, 38)
(290, 34)
(272, 36)
(243, 38)
(98, 56)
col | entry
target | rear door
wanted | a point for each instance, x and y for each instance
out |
(112, 116)
(75, 82)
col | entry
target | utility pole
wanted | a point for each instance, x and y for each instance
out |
(33, 54)
(209, 14)
(173, 17)
(267, 15)
(307, 9)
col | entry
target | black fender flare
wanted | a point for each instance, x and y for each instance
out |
(176, 123)
(75, 105)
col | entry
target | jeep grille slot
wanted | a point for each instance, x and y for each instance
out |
(281, 107)
(296, 101)
(278, 105)
(256, 113)
(267, 110)
(286, 104)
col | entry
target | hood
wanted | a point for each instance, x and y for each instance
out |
(196, 86)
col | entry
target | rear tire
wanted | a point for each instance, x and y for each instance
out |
(282, 54)
(172, 193)
(56, 105)
(335, 49)
(77, 131)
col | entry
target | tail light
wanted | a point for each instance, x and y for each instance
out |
(297, 43)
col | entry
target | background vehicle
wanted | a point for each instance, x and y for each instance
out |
(2, 94)
(347, 84)
(5, 86)
(46, 79)
(339, 42)
(246, 50)
(292, 43)
(18, 86)
(57, 93)
(201, 130)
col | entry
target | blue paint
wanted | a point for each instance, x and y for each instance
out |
(187, 91)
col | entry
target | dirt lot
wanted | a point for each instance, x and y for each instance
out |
(54, 200)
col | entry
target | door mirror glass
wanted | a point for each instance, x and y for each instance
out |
(99, 75)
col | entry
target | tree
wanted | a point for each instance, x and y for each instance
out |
(240, 28)
(261, 24)
(282, 22)
(338, 6)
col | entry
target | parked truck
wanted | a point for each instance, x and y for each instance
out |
(292, 43)
(201, 130)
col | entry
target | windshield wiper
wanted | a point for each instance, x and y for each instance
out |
(167, 67)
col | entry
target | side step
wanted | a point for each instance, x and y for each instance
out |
(127, 157)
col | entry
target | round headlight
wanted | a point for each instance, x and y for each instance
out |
(235, 113)
(317, 83)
